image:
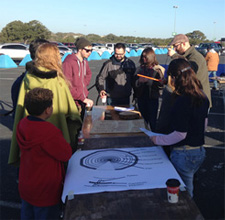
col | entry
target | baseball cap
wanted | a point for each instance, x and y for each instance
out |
(180, 38)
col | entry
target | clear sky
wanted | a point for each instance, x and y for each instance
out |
(140, 18)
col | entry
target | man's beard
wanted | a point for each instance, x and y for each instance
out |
(119, 60)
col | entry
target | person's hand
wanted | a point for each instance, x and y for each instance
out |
(153, 139)
(103, 93)
(171, 52)
(134, 102)
(170, 83)
(88, 102)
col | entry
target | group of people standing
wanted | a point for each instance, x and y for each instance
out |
(184, 109)
(118, 78)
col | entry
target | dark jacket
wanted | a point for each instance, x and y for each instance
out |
(150, 88)
(16, 87)
(199, 65)
(116, 77)
(189, 118)
(15, 91)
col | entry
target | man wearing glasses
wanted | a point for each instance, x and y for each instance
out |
(182, 47)
(115, 77)
(78, 72)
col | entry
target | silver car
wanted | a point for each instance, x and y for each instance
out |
(64, 49)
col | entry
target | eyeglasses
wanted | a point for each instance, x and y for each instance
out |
(119, 54)
(175, 46)
(88, 50)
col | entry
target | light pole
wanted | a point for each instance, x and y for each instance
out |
(214, 31)
(174, 31)
(135, 37)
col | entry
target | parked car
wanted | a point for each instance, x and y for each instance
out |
(142, 46)
(16, 51)
(222, 44)
(57, 43)
(100, 48)
(202, 48)
(127, 48)
(222, 41)
(71, 46)
(74, 49)
(97, 44)
(110, 46)
(132, 45)
(64, 49)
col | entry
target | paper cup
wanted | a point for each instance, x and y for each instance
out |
(173, 187)
(88, 108)
(103, 99)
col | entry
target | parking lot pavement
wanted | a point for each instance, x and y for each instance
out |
(209, 180)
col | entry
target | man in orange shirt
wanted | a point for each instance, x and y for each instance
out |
(212, 59)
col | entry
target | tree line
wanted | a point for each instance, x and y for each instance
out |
(17, 31)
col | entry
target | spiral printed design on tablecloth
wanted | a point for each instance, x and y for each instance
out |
(119, 159)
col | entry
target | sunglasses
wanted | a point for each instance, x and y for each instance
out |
(88, 50)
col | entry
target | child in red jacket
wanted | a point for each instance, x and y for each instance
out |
(43, 151)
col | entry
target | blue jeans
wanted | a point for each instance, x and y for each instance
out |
(29, 212)
(118, 101)
(187, 162)
(214, 75)
(149, 110)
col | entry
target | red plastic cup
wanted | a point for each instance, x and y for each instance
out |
(173, 187)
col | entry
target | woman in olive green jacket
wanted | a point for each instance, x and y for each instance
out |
(46, 72)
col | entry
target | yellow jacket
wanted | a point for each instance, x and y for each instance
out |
(65, 113)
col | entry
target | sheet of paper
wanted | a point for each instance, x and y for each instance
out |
(150, 133)
(118, 169)
(123, 109)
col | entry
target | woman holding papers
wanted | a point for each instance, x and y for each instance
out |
(188, 120)
(148, 82)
